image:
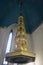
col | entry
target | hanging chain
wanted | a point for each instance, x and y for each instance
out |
(20, 4)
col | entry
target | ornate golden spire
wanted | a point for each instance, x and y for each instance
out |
(20, 53)
(20, 38)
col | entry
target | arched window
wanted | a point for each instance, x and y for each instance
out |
(8, 47)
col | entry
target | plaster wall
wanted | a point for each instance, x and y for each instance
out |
(4, 34)
(35, 42)
(37, 37)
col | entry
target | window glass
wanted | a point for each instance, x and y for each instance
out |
(8, 47)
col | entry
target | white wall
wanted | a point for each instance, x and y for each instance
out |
(2, 38)
(35, 42)
(37, 36)
(4, 33)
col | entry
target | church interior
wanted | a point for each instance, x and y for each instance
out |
(27, 14)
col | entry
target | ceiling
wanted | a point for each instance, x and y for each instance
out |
(32, 12)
